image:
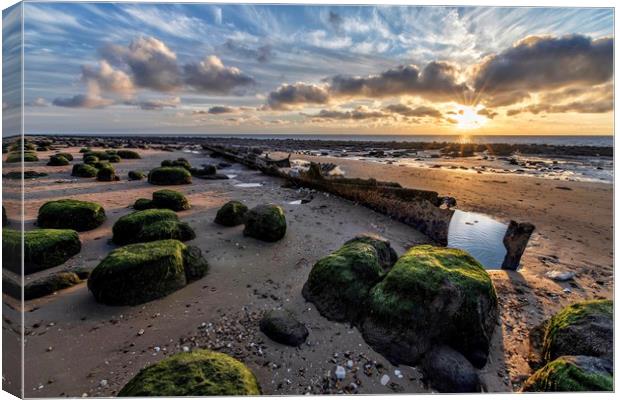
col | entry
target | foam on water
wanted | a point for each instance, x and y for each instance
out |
(479, 235)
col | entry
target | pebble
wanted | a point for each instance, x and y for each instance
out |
(340, 372)
(104, 382)
(385, 379)
(141, 332)
(186, 348)
(398, 374)
(560, 276)
(350, 364)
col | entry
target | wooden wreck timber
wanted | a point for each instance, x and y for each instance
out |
(418, 208)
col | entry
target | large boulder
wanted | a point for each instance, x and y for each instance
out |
(339, 284)
(43, 248)
(449, 371)
(171, 200)
(169, 176)
(231, 214)
(107, 173)
(84, 171)
(142, 272)
(15, 157)
(282, 327)
(573, 374)
(71, 214)
(148, 225)
(135, 175)
(179, 162)
(265, 222)
(128, 154)
(57, 160)
(50, 284)
(432, 296)
(196, 373)
(585, 329)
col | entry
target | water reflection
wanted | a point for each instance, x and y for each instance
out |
(479, 235)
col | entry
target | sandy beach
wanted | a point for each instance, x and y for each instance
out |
(77, 347)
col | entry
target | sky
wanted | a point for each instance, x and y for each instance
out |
(198, 68)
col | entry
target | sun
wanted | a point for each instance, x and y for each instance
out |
(468, 118)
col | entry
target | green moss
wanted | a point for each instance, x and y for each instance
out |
(43, 248)
(179, 162)
(101, 155)
(135, 175)
(168, 229)
(84, 171)
(85, 150)
(265, 222)
(68, 156)
(231, 214)
(114, 158)
(128, 154)
(566, 374)
(339, 284)
(138, 273)
(143, 204)
(15, 157)
(29, 174)
(127, 228)
(57, 160)
(170, 199)
(71, 214)
(560, 338)
(50, 284)
(169, 176)
(90, 159)
(107, 174)
(196, 373)
(101, 164)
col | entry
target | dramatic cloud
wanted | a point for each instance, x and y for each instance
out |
(576, 107)
(490, 114)
(359, 113)
(82, 101)
(152, 64)
(108, 79)
(422, 111)
(210, 75)
(297, 94)
(540, 63)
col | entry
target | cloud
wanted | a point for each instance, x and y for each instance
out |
(540, 63)
(221, 110)
(490, 114)
(157, 104)
(82, 101)
(152, 64)
(335, 20)
(210, 75)
(261, 54)
(421, 111)
(38, 102)
(360, 113)
(108, 79)
(598, 107)
(291, 95)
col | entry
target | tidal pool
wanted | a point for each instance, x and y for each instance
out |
(479, 235)
(248, 185)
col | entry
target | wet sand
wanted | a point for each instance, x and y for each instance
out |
(76, 346)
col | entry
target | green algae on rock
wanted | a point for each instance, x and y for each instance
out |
(138, 273)
(179, 162)
(573, 374)
(50, 284)
(265, 222)
(15, 157)
(169, 176)
(231, 214)
(151, 224)
(43, 248)
(143, 204)
(135, 175)
(339, 284)
(57, 160)
(84, 171)
(171, 200)
(107, 174)
(195, 373)
(128, 154)
(168, 229)
(431, 296)
(584, 328)
(71, 214)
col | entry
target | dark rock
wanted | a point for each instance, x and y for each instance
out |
(231, 214)
(573, 374)
(265, 222)
(449, 371)
(282, 327)
(515, 241)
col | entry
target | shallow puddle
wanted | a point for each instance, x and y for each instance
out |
(248, 185)
(479, 235)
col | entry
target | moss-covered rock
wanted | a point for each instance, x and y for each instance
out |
(143, 204)
(71, 214)
(102, 164)
(135, 175)
(28, 174)
(339, 284)
(43, 248)
(114, 158)
(50, 284)
(5, 219)
(170, 199)
(168, 229)
(107, 174)
(84, 171)
(90, 159)
(57, 160)
(231, 214)
(152, 224)
(432, 296)
(573, 374)
(206, 170)
(265, 222)
(137, 273)
(85, 150)
(169, 176)
(584, 328)
(16, 156)
(387, 255)
(68, 156)
(101, 155)
(179, 162)
(196, 373)
(128, 154)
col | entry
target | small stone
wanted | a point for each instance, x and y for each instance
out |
(560, 276)
(340, 372)
(350, 364)
(104, 382)
(398, 374)
(141, 332)
(186, 348)
(385, 379)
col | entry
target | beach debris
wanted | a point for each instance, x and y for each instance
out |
(560, 276)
